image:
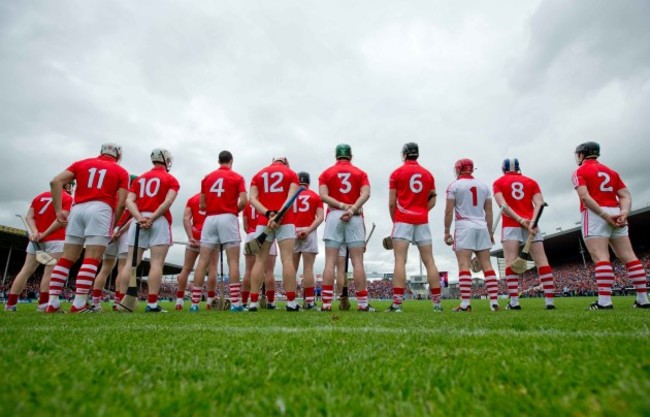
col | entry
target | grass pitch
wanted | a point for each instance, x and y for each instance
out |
(530, 362)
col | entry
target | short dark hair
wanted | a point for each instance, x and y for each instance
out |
(225, 157)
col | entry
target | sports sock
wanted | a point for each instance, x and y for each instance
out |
(12, 300)
(152, 300)
(84, 283)
(97, 296)
(362, 298)
(180, 297)
(435, 295)
(291, 299)
(512, 280)
(328, 294)
(309, 295)
(492, 286)
(604, 281)
(255, 296)
(546, 278)
(637, 275)
(211, 295)
(196, 295)
(398, 296)
(244, 297)
(465, 285)
(270, 296)
(43, 298)
(59, 275)
(234, 287)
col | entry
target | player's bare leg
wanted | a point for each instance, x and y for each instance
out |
(433, 276)
(44, 293)
(342, 283)
(545, 273)
(212, 283)
(464, 257)
(157, 262)
(188, 266)
(331, 258)
(257, 275)
(635, 271)
(60, 273)
(125, 271)
(108, 263)
(359, 275)
(249, 261)
(598, 248)
(288, 272)
(400, 250)
(490, 278)
(267, 296)
(121, 261)
(28, 269)
(86, 276)
(510, 253)
(205, 256)
(232, 254)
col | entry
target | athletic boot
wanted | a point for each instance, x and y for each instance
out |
(296, 308)
(394, 309)
(156, 309)
(596, 306)
(513, 307)
(367, 309)
(460, 309)
(638, 305)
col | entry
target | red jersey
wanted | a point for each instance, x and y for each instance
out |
(198, 215)
(273, 184)
(602, 183)
(221, 189)
(305, 208)
(518, 191)
(344, 181)
(98, 179)
(151, 189)
(44, 214)
(413, 184)
(251, 216)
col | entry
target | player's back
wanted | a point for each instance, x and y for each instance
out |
(517, 191)
(344, 181)
(151, 189)
(412, 184)
(44, 214)
(602, 182)
(305, 207)
(470, 195)
(98, 179)
(221, 189)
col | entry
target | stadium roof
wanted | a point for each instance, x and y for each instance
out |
(565, 245)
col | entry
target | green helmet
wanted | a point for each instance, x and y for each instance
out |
(343, 151)
(132, 178)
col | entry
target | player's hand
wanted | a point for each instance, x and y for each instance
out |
(145, 222)
(192, 242)
(301, 234)
(62, 217)
(492, 237)
(621, 220)
(612, 220)
(272, 224)
(449, 240)
(347, 215)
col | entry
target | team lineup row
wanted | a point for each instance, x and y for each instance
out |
(281, 215)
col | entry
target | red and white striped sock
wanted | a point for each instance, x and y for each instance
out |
(465, 285)
(180, 297)
(636, 274)
(328, 294)
(492, 286)
(546, 279)
(604, 281)
(97, 296)
(435, 295)
(362, 299)
(196, 295)
(59, 275)
(85, 278)
(309, 295)
(512, 280)
(398, 296)
(235, 288)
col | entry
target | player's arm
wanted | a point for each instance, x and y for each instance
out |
(333, 203)
(363, 197)
(254, 200)
(56, 188)
(187, 223)
(431, 200)
(170, 197)
(203, 205)
(487, 206)
(242, 201)
(245, 222)
(592, 205)
(449, 215)
(33, 232)
(392, 203)
(507, 210)
(625, 204)
(318, 219)
(122, 193)
(53, 227)
(132, 206)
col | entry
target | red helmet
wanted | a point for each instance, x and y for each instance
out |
(463, 166)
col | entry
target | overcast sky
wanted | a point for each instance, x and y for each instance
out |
(480, 79)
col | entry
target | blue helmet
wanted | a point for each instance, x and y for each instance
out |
(510, 165)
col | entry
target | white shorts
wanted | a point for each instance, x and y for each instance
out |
(284, 232)
(220, 228)
(471, 239)
(89, 223)
(272, 252)
(307, 245)
(519, 234)
(595, 226)
(337, 232)
(343, 251)
(118, 248)
(160, 234)
(52, 247)
(419, 234)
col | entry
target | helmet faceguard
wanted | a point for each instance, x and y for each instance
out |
(162, 156)
(282, 159)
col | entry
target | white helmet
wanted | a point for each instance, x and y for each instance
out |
(163, 156)
(113, 150)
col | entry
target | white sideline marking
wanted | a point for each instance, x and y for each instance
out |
(574, 334)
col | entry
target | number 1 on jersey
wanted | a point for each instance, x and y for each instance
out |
(474, 192)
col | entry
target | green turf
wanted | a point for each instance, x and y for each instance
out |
(530, 362)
